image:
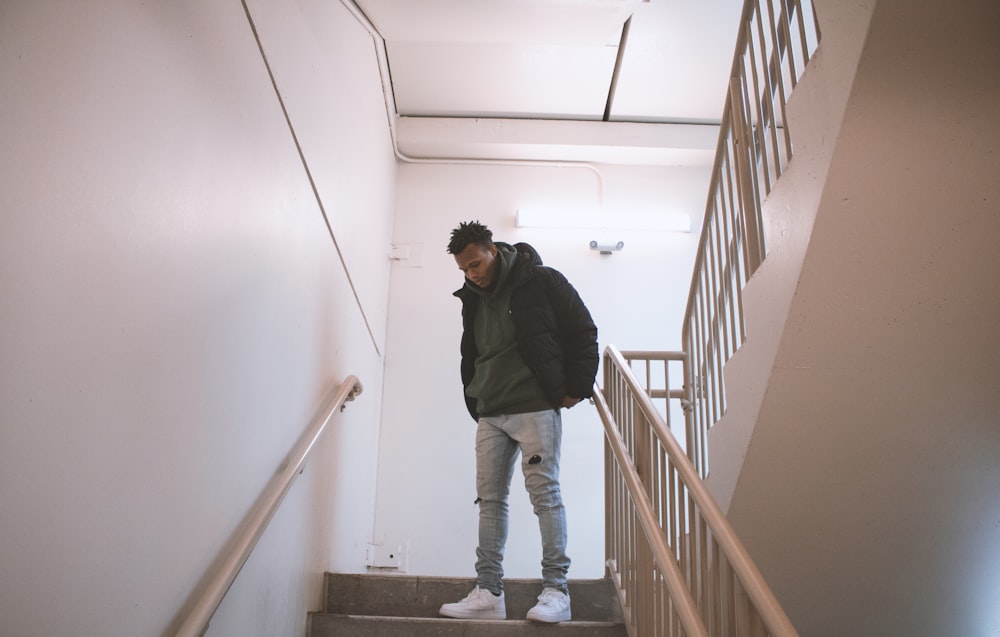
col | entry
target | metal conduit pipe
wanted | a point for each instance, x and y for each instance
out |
(392, 114)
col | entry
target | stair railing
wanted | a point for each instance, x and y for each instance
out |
(219, 578)
(677, 564)
(755, 145)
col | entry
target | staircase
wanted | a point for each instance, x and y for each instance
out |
(407, 606)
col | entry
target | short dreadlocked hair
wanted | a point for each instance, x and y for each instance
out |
(469, 232)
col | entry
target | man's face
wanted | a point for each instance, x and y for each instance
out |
(479, 264)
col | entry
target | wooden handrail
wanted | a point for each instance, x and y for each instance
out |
(218, 580)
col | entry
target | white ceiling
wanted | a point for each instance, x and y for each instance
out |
(532, 79)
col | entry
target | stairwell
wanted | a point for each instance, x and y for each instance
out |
(398, 605)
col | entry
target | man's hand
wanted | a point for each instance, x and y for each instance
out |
(569, 401)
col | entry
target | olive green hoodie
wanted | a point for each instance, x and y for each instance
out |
(503, 383)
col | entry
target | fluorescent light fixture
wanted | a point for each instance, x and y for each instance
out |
(584, 219)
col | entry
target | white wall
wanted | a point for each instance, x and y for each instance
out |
(175, 310)
(426, 461)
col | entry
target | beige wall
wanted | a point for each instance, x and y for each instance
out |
(869, 491)
(815, 112)
(175, 309)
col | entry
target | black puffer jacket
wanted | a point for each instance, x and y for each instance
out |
(556, 335)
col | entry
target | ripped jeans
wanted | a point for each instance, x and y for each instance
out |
(538, 436)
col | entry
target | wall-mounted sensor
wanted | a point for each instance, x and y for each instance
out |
(607, 249)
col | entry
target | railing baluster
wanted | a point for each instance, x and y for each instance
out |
(782, 53)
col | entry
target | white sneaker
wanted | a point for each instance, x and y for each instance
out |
(552, 607)
(479, 604)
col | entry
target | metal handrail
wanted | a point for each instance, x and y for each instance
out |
(647, 357)
(772, 50)
(663, 556)
(220, 578)
(703, 520)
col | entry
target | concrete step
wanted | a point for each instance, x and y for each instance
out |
(328, 625)
(416, 596)
(396, 605)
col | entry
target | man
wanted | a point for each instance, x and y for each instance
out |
(529, 348)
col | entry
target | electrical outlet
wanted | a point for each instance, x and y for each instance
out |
(385, 556)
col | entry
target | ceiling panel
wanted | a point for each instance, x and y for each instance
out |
(677, 61)
(500, 80)
(575, 22)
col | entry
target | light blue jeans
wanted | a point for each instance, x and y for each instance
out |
(538, 436)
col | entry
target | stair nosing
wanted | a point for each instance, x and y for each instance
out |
(397, 618)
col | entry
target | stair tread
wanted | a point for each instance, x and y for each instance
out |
(455, 620)
(400, 595)
(334, 625)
